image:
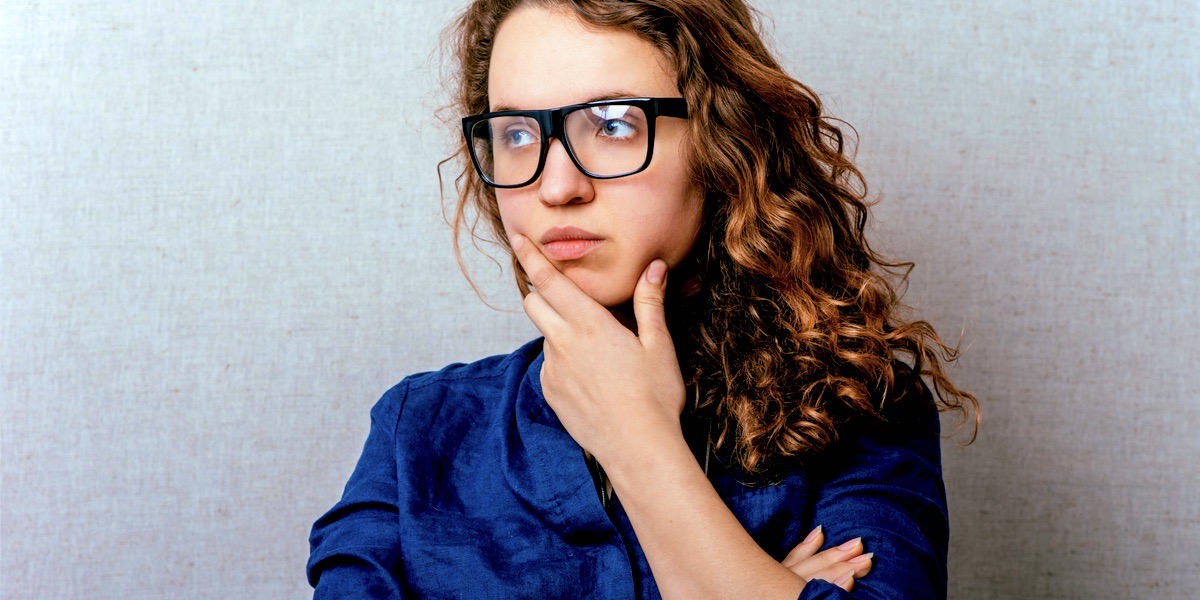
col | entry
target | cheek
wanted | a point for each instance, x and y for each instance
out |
(510, 217)
(678, 220)
(675, 232)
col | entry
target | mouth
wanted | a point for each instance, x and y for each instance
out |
(569, 243)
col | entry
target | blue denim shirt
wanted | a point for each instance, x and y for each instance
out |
(469, 487)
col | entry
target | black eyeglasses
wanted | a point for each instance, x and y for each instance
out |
(605, 139)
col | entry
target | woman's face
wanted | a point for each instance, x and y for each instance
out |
(607, 231)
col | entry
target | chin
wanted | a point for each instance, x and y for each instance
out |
(611, 300)
(608, 296)
(601, 285)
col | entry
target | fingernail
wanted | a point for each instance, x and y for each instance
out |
(812, 535)
(656, 272)
(850, 545)
(844, 580)
(518, 241)
(861, 559)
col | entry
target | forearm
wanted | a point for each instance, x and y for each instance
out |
(695, 545)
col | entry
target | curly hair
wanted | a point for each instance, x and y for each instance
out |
(798, 327)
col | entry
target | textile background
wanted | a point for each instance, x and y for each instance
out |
(221, 241)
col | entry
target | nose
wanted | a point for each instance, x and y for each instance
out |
(561, 182)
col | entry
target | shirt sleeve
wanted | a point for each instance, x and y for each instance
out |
(886, 487)
(355, 547)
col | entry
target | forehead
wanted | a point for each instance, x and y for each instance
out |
(542, 58)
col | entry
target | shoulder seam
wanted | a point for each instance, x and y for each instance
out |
(400, 409)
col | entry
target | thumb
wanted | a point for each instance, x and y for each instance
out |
(649, 302)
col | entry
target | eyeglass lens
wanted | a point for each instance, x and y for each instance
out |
(607, 141)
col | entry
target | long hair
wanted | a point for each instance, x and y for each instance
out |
(798, 328)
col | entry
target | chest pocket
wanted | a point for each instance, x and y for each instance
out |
(777, 516)
(463, 557)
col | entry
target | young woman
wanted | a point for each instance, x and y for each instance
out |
(725, 403)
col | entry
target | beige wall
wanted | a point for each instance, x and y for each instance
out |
(220, 241)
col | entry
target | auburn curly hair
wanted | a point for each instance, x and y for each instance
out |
(797, 327)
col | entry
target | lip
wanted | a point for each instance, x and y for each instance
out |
(569, 243)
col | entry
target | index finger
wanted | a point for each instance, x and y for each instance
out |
(560, 293)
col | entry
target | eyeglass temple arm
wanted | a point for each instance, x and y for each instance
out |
(671, 107)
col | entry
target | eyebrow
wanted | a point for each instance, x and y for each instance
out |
(616, 95)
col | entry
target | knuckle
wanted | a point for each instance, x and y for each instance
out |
(529, 300)
(541, 279)
(586, 330)
(651, 300)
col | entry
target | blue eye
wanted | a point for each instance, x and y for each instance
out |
(617, 129)
(615, 122)
(515, 138)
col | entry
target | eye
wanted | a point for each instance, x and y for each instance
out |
(517, 137)
(614, 128)
(615, 121)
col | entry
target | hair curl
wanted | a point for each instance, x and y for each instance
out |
(798, 327)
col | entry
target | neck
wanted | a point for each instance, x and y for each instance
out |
(623, 313)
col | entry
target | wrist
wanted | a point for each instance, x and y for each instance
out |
(653, 461)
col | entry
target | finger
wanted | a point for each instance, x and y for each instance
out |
(844, 574)
(856, 567)
(559, 292)
(817, 563)
(862, 564)
(806, 548)
(846, 581)
(543, 316)
(648, 303)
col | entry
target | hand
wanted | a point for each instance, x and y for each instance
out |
(616, 392)
(840, 565)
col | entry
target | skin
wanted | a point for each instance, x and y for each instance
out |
(546, 59)
(619, 393)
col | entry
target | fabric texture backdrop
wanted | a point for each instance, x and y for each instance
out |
(221, 240)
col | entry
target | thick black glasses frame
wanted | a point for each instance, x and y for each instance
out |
(550, 122)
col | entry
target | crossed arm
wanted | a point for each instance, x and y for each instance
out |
(885, 493)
